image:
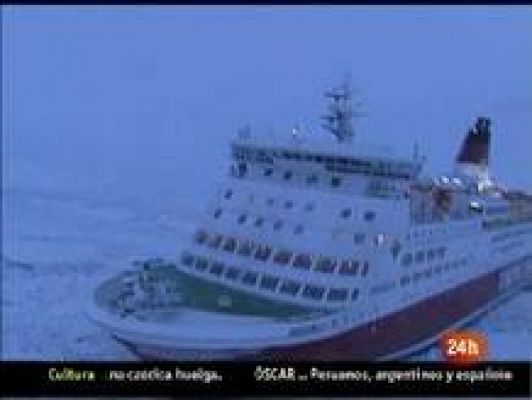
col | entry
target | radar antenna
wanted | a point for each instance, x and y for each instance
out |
(338, 118)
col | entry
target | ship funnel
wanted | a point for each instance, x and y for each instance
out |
(475, 148)
(473, 158)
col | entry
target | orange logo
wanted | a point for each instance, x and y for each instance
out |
(464, 347)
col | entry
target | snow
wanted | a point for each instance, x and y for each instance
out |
(56, 246)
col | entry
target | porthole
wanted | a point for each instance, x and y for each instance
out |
(232, 273)
(289, 287)
(250, 278)
(187, 259)
(269, 282)
(348, 267)
(217, 268)
(337, 295)
(345, 213)
(303, 261)
(335, 181)
(369, 216)
(313, 292)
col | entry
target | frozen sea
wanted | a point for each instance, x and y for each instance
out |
(56, 245)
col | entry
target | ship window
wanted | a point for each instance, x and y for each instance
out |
(289, 287)
(230, 245)
(325, 264)
(232, 273)
(441, 252)
(250, 278)
(228, 193)
(311, 179)
(217, 213)
(302, 261)
(259, 221)
(217, 268)
(335, 181)
(354, 294)
(313, 292)
(417, 276)
(215, 241)
(420, 257)
(269, 282)
(298, 229)
(365, 269)
(246, 248)
(287, 175)
(268, 172)
(319, 159)
(242, 218)
(263, 253)
(309, 157)
(337, 294)
(242, 169)
(200, 237)
(288, 204)
(282, 257)
(201, 264)
(438, 269)
(187, 259)
(407, 259)
(405, 280)
(358, 238)
(346, 213)
(369, 216)
(428, 273)
(277, 225)
(342, 160)
(270, 201)
(348, 267)
(309, 207)
(447, 266)
(431, 255)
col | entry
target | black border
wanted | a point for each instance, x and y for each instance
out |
(240, 379)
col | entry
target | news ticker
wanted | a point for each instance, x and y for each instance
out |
(499, 379)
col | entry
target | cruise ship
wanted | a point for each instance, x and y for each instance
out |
(325, 248)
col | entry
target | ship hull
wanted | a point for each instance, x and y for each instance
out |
(392, 336)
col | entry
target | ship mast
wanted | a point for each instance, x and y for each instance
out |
(338, 118)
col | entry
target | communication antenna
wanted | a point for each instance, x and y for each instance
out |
(338, 119)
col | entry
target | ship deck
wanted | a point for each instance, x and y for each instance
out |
(189, 294)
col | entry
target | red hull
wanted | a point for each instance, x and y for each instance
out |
(398, 331)
(395, 334)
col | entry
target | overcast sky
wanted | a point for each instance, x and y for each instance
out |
(147, 98)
